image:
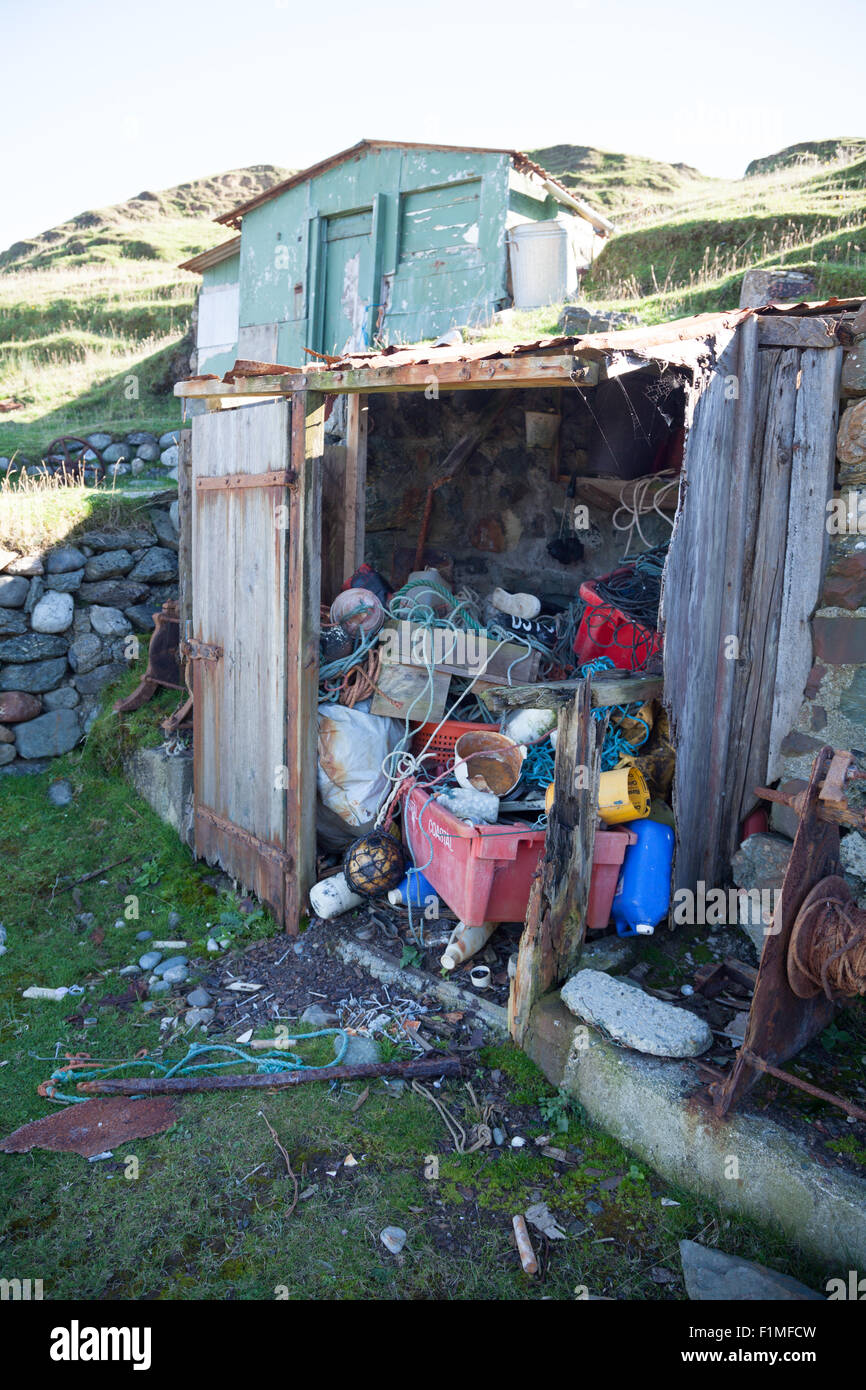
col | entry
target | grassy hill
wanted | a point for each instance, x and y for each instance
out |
(93, 313)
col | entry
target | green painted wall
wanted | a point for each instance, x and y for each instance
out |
(435, 254)
(224, 330)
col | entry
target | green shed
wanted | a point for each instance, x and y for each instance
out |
(388, 243)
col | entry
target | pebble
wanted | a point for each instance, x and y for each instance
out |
(298, 948)
(594, 1208)
(360, 1052)
(393, 1238)
(60, 793)
(176, 974)
(130, 970)
(211, 944)
(192, 1017)
(517, 1142)
(160, 987)
(144, 935)
(119, 922)
(173, 920)
(150, 959)
(168, 964)
(198, 999)
(498, 1138)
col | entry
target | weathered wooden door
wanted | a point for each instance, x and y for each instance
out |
(256, 491)
(348, 276)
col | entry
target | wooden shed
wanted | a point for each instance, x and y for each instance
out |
(267, 509)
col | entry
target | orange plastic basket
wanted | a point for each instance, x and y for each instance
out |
(444, 739)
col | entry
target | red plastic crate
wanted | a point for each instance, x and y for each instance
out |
(443, 741)
(484, 872)
(606, 631)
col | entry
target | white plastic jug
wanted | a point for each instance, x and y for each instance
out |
(331, 896)
(465, 942)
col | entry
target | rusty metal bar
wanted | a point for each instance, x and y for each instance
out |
(760, 1065)
(417, 1069)
(246, 837)
(282, 477)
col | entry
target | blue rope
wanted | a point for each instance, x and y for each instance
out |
(273, 1061)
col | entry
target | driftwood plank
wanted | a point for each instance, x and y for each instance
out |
(615, 688)
(553, 936)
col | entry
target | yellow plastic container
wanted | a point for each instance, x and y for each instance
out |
(623, 795)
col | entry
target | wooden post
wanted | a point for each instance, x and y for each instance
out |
(302, 642)
(184, 541)
(355, 488)
(552, 939)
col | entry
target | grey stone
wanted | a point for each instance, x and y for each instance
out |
(711, 1274)
(150, 959)
(108, 564)
(141, 617)
(498, 1138)
(761, 861)
(22, 769)
(53, 613)
(170, 963)
(64, 559)
(118, 540)
(117, 453)
(174, 513)
(130, 970)
(65, 697)
(160, 987)
(14, 589)
(85, 653)
(6, 734)
(144, 936)
(60, 792)
(99, 440)
(157, 566)
(165, 530)
(173, 920)
(852, 700)
(198, 998)
(170, 437)
(64, 583)
(48, 735)
(108, 622)
(7, 753)
(28, 565)
(169, 456)
(360, 1052)
(137, 467)
(141, 437)
(852, 852)
(576, 319)
(35, 676)
(37, 589)
(12, 621)
(393, 1238)
(148, 452)
(113, 593)
(318, 1017)
(634, 1019)
(176, 975)
(33, 646)
(99, 678)
(194, 1017)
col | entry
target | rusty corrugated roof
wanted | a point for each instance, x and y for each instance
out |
(205, 259)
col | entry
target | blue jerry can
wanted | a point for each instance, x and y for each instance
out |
(643, 892)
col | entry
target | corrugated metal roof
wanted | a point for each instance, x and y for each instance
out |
(521, 162)
(205, 259)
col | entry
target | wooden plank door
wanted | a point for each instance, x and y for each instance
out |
(255, 510)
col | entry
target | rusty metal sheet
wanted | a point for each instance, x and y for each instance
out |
(91, 1127)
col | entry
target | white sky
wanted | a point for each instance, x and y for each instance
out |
(102, 100)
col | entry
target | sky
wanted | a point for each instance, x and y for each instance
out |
(102, 100)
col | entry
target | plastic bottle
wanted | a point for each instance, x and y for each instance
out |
(465, 942)
(331, 896)
(643, 892)
(414, 887)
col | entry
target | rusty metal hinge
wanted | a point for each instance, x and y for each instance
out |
(193, 650)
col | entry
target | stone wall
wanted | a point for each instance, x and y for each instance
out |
(66, 619)
(137, 454)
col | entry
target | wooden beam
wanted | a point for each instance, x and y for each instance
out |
(184, 540)
(606, 688)
(355, 485)
(527, 370)
(777, 331)
(552, 939)
(302, 647)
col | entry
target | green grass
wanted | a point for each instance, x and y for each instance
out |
(207, 1215)
(39, 512)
